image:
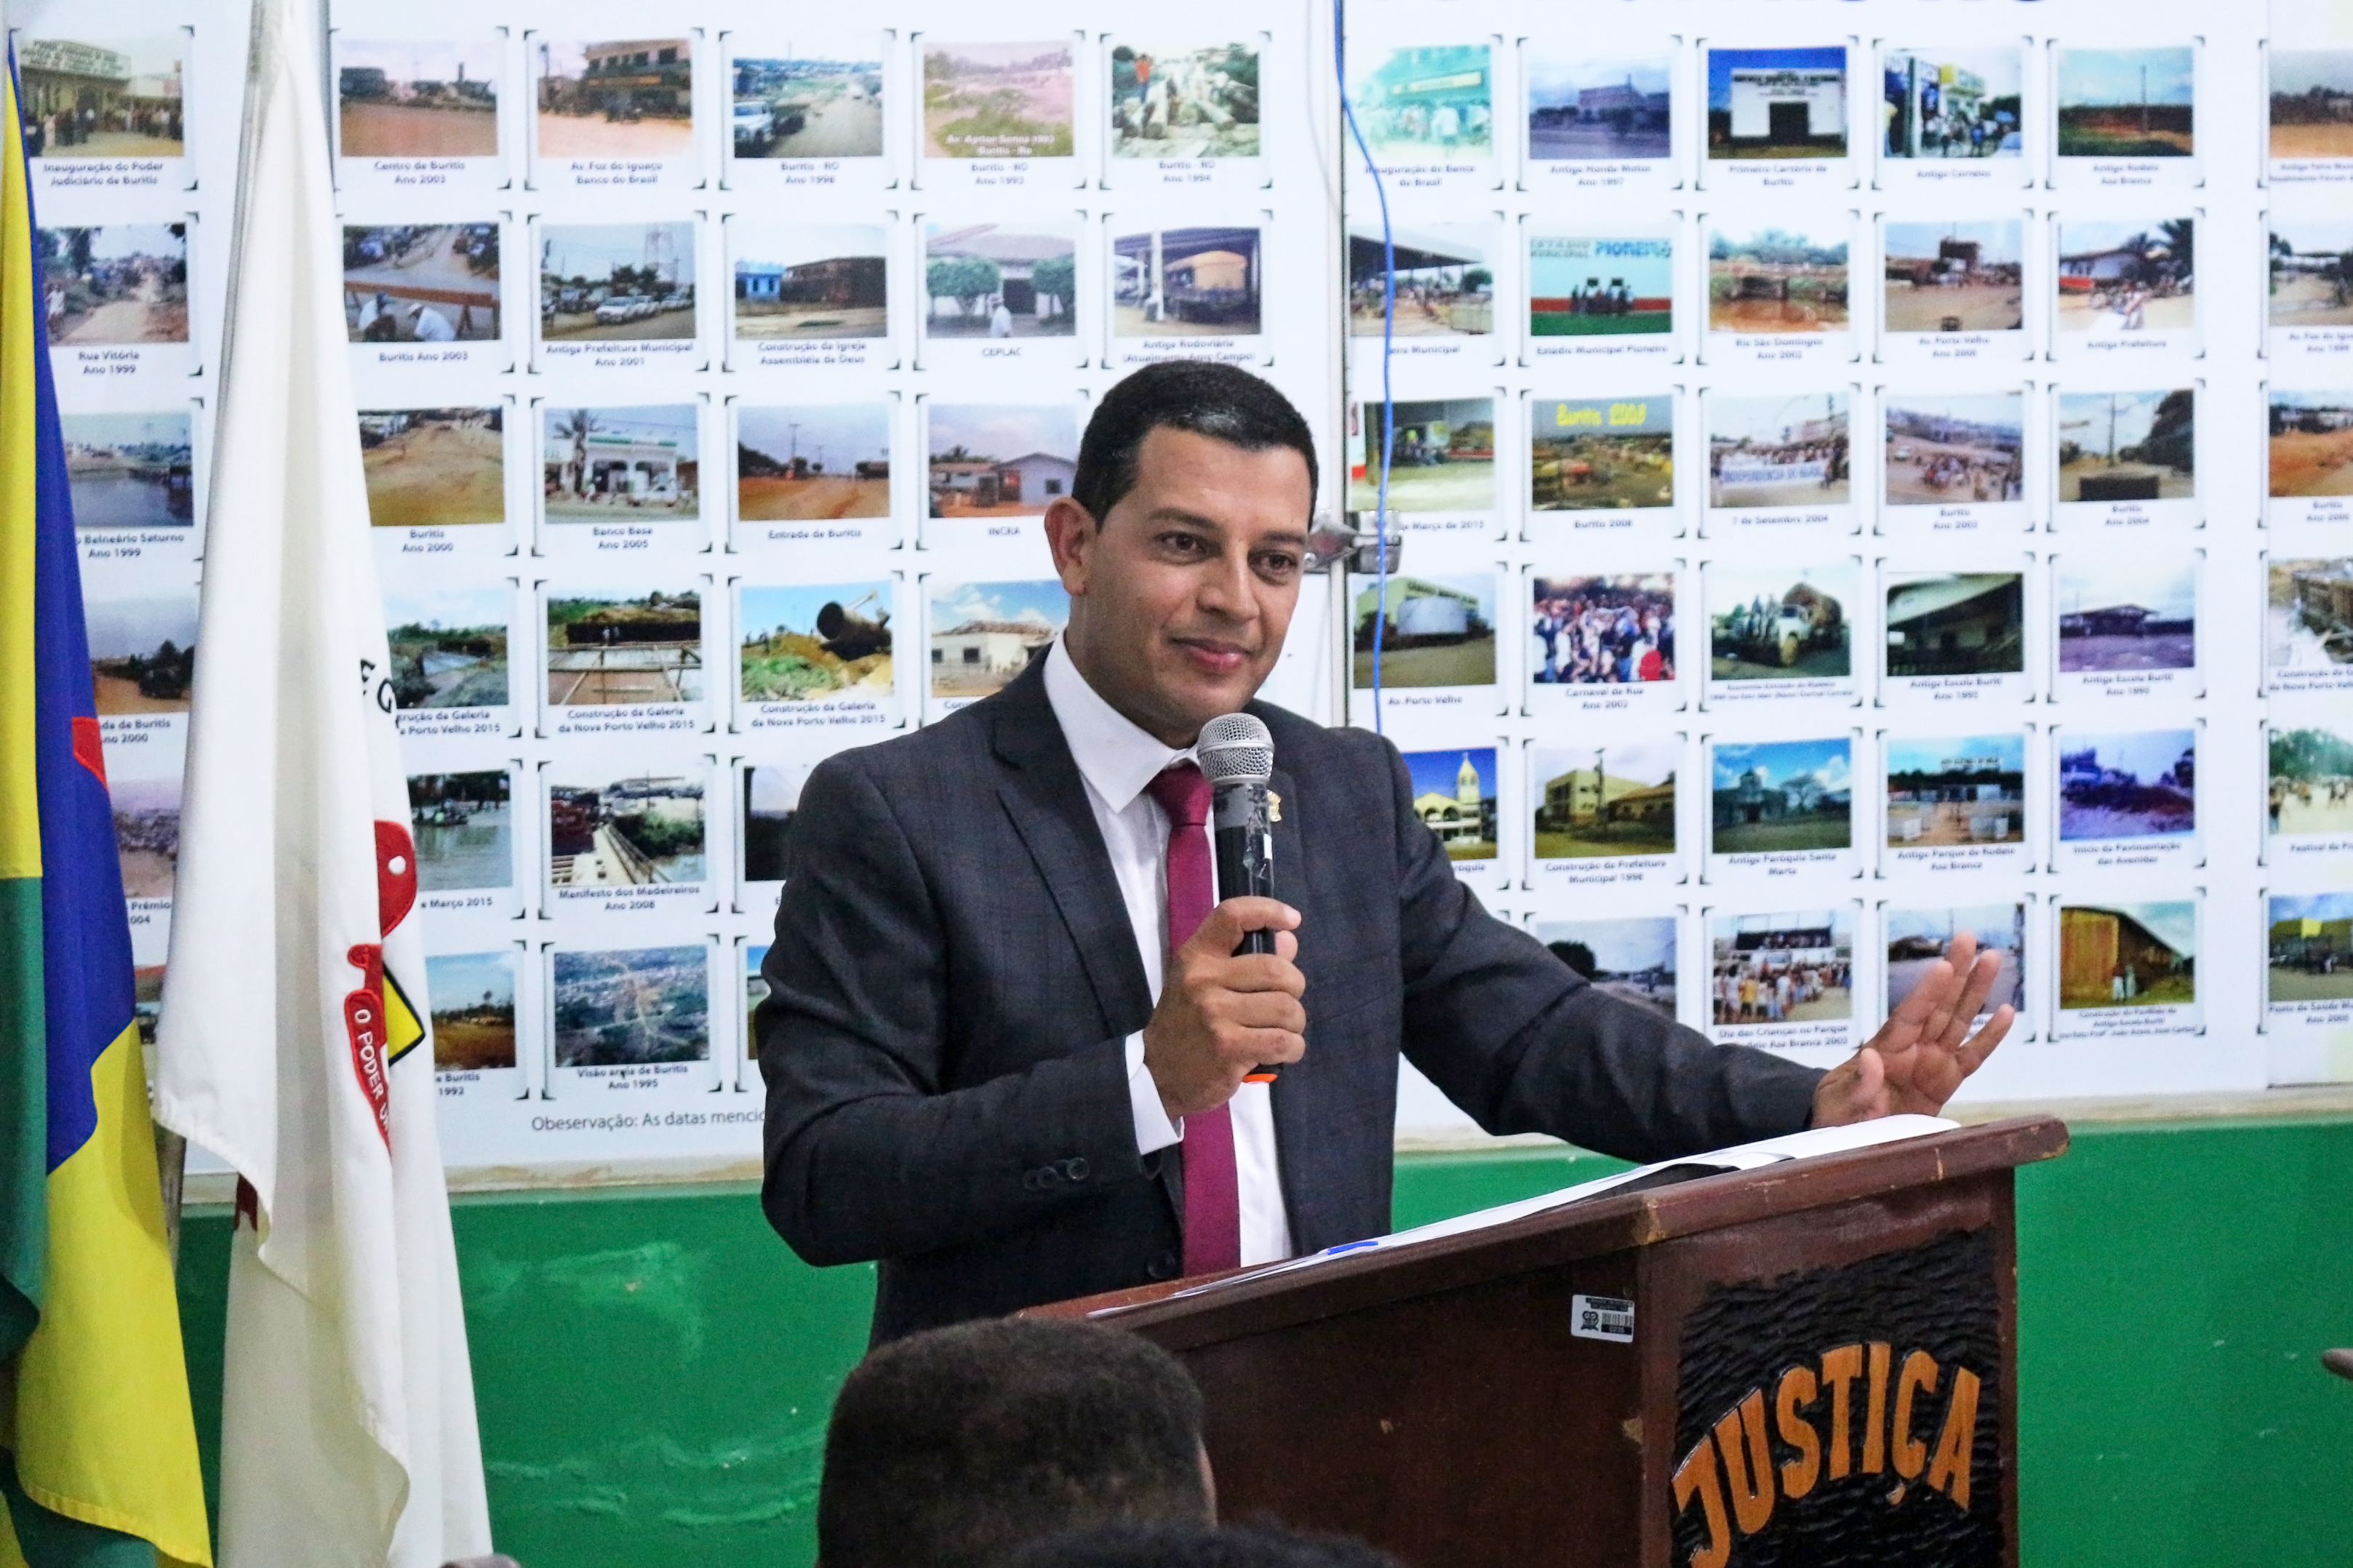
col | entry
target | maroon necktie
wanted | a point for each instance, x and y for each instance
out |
(1213, 1212)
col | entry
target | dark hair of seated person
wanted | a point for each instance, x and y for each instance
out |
(1175, 1546)
(950, 1449)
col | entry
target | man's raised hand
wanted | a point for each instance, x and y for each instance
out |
(1925, 1048)
(1222, 1014)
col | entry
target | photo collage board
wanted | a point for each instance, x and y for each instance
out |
(131, 118)
(1835, 520)
(713, 386)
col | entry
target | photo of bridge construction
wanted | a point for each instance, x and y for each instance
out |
(2308, 614)
(628, 1007)
(639, 831)
(605, 651)
(421, 283)
(449, 645)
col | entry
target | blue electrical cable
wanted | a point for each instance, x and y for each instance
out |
(1388, 336)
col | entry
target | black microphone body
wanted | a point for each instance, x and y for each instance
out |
(1243, 838)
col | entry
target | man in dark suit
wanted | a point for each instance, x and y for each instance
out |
(1007, 1039)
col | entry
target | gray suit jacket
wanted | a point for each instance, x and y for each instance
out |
(953, 976)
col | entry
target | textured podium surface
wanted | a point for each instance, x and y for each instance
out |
(1809, 1363)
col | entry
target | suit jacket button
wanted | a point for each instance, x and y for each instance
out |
(1075, 1168)
(1162, 1267)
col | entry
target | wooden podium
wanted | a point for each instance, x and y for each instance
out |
(1813, 1363)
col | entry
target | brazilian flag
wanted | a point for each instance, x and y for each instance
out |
(98, 1448)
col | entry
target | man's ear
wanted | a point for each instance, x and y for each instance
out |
(1071, 533)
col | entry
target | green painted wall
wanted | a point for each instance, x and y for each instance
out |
(654, 1367)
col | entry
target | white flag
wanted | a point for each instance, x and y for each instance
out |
(293, 1036)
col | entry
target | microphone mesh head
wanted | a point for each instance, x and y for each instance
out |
(1235, 748)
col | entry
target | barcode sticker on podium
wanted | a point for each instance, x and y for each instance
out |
(1601, 1318)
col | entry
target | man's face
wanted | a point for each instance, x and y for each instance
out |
(1179, 600)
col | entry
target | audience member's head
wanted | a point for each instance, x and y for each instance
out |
(949, 1449)
(1182, 1546)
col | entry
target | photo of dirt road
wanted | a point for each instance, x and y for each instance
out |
(121, 283)
(2311, 443)
(434, 468)
(417, 98)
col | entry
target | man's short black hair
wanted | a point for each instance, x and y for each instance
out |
(950, 1449)
(1219, 401)
(1170, 1546)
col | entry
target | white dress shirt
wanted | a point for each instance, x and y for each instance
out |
(1118, 760)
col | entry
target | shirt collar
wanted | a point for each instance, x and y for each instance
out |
(1113, 755)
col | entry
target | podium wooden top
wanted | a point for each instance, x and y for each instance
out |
(1613, 1222)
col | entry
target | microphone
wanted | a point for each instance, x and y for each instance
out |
(1237, 756)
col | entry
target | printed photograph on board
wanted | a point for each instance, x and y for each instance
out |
(2308, 614)
(1591, 108)
(473, 1009)
(417, 98)
(118, 283)
(2127, 955)
(1768, 797)
(638, 831)
(130, 470)
(2122, 610)
(1196, 100)
(1631, 959)
(2311, 271)
(464, 828)
(629, 97)
(1583, 286)
(1964, 276)
(1769, 622)
(2139, 785)
(2311, 446)
(997, 100)
(1946, 791)
(1955, 623)
(146, 833)
(2311, 785)
(2310, 948)
(421, 283)
(808, 280)
(1780, 451)
(604, 465)
(616, 283)
(770, 795)
(2127, 446)
(812, 460)
(1000, 460)
(985, 634)
(1454, 796)
(755, 991)
(143, 648)
(1187, 282)
(607, 649)
(103, 97)
(1445, 280)
(1781, 104)
(434, 468)
(2311, 103)
(806, 106)
(1442, 456)
(1918, 938)
(1793, 966)
(803, 644)
(1605, 801)
(985, 280)
(1768, 278)
(1609, 630)
(1615, 454)
(1942, 104)
(1945, 451)
(1425, 104)
(2117, 277)
(1433, 631)
(624, 1006)
(2126, 103)
(448, 645)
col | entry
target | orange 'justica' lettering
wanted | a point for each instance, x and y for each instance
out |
(1695, 1478)
(1841, 1367)
(1797, 1390)
(1874, 1416)
(1919, 1375)
(1950, 1472)
(1747, 1463)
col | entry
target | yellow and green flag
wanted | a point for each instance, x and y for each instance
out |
(97, 1446)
